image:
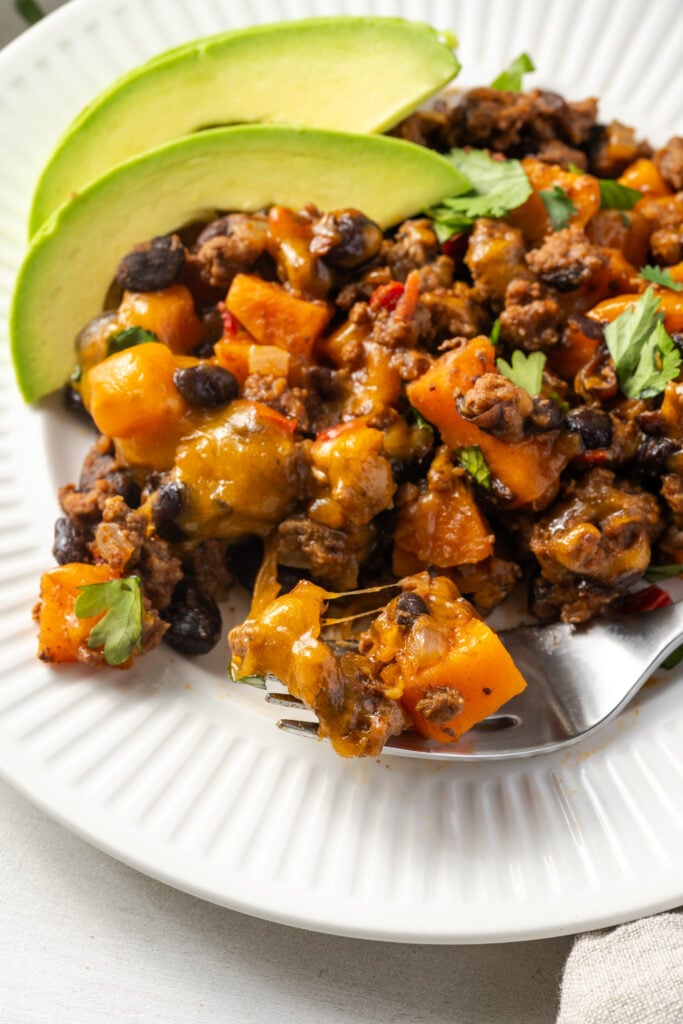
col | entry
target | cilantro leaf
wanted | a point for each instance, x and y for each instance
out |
(614, 196)
(493, 188)
(526, 370)
(659, 362)
(558, 206)
(675, 658)
(658, 275)
(258, 681)
(644, 354)
(420, 421)
(626, 334)
(663, 572)
(120, 629)
(473, 462)
(29, 10)
(510, 80)
(127, 338)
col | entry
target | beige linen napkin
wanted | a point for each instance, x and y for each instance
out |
(632, 974)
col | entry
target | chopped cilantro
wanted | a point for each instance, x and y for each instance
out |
(675, 658)
(472, 460)
(559, 206)
(659, 362)
(658, 275)
(614, 196)
(127, 338)
(663, 572)
(420, 421)
(29, 10)
(449, 38)
(254, 680)
(559, 402)
(526, 370)
(120, 629)
(644, 354)
(492, 188)
(495, 333)
(510, 80)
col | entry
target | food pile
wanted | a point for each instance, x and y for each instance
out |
(383, 432)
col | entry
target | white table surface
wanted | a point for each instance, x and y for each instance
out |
(86, 940)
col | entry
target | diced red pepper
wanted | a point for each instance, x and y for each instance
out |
(407, 304)
(341, 428)
(592, 457)
(644, 601)
(456, 245)
(387, 296)
(229, 322)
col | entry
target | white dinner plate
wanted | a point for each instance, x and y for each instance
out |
(182, 774)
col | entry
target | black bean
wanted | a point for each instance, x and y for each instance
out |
(545, 415)
(564, 279)
(206, 386)
(543, 599)
(652, 455)
(212, 330)
(677, 338)
(71, 542)
(346, 239)
(166, 508)
(590, 328)
(244, 560)
(125, 484)
(409, 606)
(195, 623)
(651, 422)
(153, 266)
(325, 382)
(73, 402)
(95, 329)
(593, 425)
(216, 228)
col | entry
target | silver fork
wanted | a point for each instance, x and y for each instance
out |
(579, 678)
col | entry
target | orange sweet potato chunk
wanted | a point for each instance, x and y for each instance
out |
(169, 313)
(530, 468)
(482, 671)
(132, 392)
(275, 317)
(62, 636)
(670, 304)
(443, 525)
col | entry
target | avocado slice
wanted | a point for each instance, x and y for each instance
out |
(70, 264)
(359, 74)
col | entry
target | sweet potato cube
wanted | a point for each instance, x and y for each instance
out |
(443, 525)
(273, 316)
(62, 636)
(481, 670)
(530, 468)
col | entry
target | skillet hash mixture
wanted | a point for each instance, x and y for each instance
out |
(485, 398)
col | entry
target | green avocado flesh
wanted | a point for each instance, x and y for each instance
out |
(72, 260)
(347, 73)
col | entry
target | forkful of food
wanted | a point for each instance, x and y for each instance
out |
(428, 678)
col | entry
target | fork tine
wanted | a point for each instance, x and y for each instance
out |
(285, 700)
(298, 727)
